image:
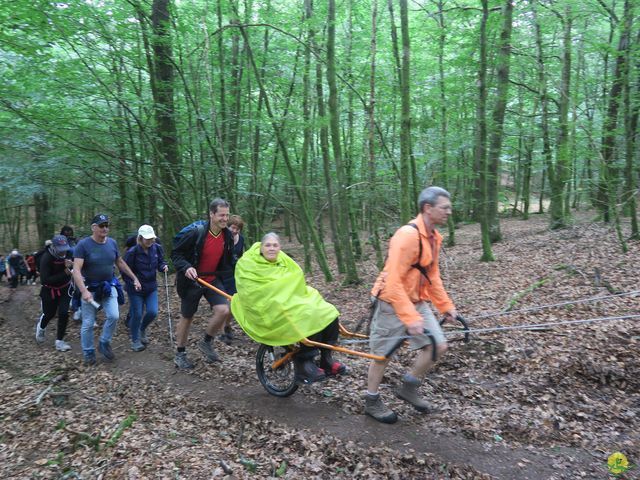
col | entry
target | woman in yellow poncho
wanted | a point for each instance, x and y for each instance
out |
(274, 306)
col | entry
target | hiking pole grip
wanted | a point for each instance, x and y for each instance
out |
(465, 327)
(394, 347)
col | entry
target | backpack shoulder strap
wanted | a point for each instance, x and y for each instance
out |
(420, 268)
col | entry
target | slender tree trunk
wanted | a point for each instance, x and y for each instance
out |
(338, 248)
(351, 274)
(560, 180)
(406, 210)
(632, 110)
(497, 125)
(372, 218)
(481, 138)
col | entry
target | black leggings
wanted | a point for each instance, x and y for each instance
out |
(328, 335)
(55, 301)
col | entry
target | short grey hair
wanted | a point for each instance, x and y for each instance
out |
(216, 203)
(430, 196)
(270, 235)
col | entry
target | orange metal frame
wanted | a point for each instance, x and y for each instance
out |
(305, 341)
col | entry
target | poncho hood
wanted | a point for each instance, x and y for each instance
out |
(274, 305)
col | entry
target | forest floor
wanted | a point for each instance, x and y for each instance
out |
(544, 403)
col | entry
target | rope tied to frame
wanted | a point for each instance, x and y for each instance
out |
(532, 326)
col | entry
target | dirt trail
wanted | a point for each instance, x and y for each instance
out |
(496, 459)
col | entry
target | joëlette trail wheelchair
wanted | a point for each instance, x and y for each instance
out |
(274, 364)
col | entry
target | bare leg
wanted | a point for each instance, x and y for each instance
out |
(182, 331)
(221, 314)
(376, 372)
(424, 362)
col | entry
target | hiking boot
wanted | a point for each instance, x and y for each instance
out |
(137, 346)
(182, 362)
(77, 315)
(89, 358)
(226, 338)
(306, 371)
(408, 392)
(144, 338)
(336, 368)
(330, 366)
(376, 409)
(209, 352)
(62, 346)
(105, 349)
(39, 333)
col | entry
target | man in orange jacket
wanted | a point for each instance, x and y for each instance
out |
(410, 281)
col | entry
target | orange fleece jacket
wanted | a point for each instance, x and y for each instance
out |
(400, 284)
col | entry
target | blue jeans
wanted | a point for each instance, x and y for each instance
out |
(110, 307)
(138, 323)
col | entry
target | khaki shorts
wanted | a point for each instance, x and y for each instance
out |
(386, 326)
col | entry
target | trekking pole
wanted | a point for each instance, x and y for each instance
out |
(166, 289)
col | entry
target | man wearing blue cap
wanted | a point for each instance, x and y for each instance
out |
(93, 274)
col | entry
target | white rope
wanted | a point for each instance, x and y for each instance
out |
(551, 305)
(512, 327)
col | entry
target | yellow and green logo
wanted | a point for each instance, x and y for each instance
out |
(617, 463)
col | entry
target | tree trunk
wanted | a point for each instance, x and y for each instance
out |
(343, 234)
(169, 160)
(497, 125)
(406, 205)
(372, 218)
(480, 158)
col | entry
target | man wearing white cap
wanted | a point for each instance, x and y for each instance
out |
(144, 259)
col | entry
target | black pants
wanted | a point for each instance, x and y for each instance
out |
(329, 335)
(13, 281)
(55, 301)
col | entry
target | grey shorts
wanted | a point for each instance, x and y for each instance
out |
(386, 326)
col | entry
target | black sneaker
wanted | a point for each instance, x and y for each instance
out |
(105, 349)
(307, 372)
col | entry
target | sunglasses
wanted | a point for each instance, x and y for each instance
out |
(103, 225)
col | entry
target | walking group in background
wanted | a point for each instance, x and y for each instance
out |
(271, 300)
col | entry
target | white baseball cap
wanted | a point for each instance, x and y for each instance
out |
(146, 232)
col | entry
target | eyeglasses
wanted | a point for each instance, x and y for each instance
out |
(103, 225)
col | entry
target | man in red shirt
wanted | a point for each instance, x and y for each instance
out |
(204, 252)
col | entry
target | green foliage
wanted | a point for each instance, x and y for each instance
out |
(77, 118)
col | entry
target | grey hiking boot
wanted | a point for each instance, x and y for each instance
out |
(375, 408)
(408, 392)
(39, 333)
(182, 362)
(137, 346)
(144, 338)
(209, 352)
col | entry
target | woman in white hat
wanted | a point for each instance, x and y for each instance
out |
(144, 259)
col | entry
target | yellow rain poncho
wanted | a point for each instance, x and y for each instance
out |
(274, 305)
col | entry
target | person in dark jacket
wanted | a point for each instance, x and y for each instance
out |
(16, 267)
(204, 252)
(55, 276)
(144, 259)
(236, 224)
